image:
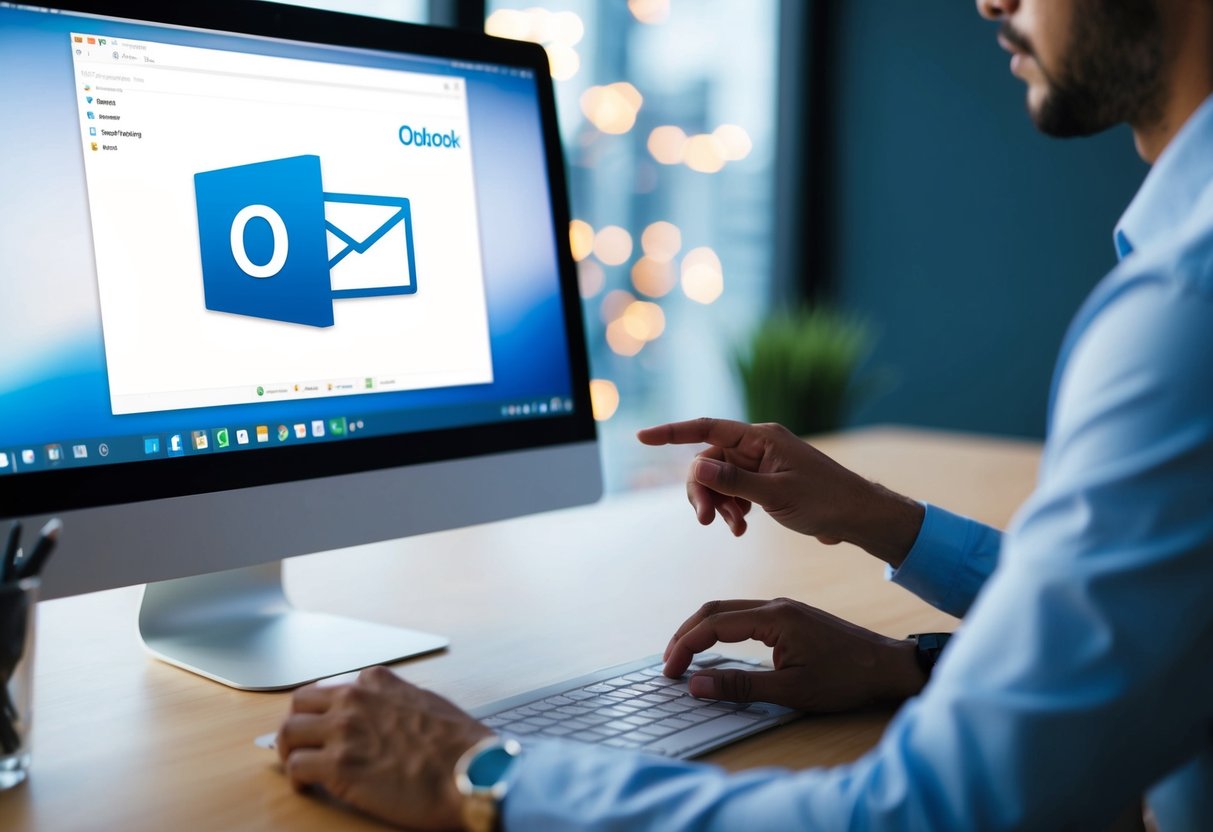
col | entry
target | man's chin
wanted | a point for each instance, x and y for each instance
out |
(1063, 117)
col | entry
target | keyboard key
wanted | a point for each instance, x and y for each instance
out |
(658, 729)
(675, 706)
(588, 736)
(638, 738)
(698, 715)
(599, 688)
(629, 707)
(637, 720)
(698, 734)
(495, 721)
(643, 688)
(579, 695)
(727, 707)
(621, 742)
(617, 725)
(654, 698)
(557, 730)
(560, 700)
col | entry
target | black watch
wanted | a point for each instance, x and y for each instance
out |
(929, 647)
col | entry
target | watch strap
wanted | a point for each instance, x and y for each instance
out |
(928, 649)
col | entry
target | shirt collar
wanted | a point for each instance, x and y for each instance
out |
(1173, 188)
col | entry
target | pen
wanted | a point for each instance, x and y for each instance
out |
(32, 564)
(9, 563)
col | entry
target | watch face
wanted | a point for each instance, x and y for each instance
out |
(490, 766)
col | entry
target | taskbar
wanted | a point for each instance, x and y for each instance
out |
(47, 456)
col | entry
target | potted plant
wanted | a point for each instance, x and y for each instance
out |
(800, 369)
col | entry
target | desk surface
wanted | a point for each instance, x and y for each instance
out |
(125, 742)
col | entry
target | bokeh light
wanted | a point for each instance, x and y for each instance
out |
(563, 61)
(557, 32)
(653, 277)
(702, 275)
(704, 153)
(612, 108)
(508, 23)
(650, 11)
(613, 245)
(604, 399)
(734, 141)
(667, 144)
(567, 28)
(621, 341)
(661, 241)
(581, 239)
(643, 320)
(590, 278)
(614, 304)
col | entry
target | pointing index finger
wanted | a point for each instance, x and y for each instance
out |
(723, 433)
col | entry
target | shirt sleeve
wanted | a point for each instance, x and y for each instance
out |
(950, 560)
(1082, 673)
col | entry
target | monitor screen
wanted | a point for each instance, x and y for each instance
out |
(247, 245)
(230, 245)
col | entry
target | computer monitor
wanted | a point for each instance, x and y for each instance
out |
(276, 281)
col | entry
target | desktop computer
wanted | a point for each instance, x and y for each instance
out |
(276, 281)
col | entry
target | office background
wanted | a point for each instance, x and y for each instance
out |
(731, 158)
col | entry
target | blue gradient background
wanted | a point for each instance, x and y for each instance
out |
(53, 385)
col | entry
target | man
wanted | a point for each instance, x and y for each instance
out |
(1083, 675)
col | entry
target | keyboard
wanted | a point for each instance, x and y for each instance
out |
(634, 706)
(631, 706)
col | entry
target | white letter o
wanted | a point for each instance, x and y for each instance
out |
(277, 226)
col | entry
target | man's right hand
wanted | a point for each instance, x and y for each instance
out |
(795, 483)
(822, 663)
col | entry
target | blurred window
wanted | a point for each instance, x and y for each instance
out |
(668, 115)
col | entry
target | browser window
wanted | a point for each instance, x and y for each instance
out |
(268, 228)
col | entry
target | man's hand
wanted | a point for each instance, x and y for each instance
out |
(822, 663)
(795, 483)
(380, 745)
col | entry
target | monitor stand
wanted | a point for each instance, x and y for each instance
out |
(238, 628)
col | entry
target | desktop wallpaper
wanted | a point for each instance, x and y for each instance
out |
(53, 382)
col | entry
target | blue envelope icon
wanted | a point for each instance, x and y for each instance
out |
(275, 245)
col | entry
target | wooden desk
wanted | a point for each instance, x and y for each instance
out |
(125, 742)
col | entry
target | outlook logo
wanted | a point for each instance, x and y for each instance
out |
(269, 250)
(424, 138)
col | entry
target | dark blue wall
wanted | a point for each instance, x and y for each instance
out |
(965, 237)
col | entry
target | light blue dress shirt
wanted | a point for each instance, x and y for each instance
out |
(1082, 675)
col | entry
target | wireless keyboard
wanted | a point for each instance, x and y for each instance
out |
(635, 706)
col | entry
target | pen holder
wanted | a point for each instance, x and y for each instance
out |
(17, 602)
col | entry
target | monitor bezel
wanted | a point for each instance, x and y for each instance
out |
(41, 492)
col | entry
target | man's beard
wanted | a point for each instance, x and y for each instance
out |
(1111, 72)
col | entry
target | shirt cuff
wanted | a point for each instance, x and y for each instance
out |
(949, 561)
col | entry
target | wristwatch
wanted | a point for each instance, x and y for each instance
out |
(929, 647)
(482, 777)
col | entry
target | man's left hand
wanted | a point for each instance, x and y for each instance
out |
(381, 745)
